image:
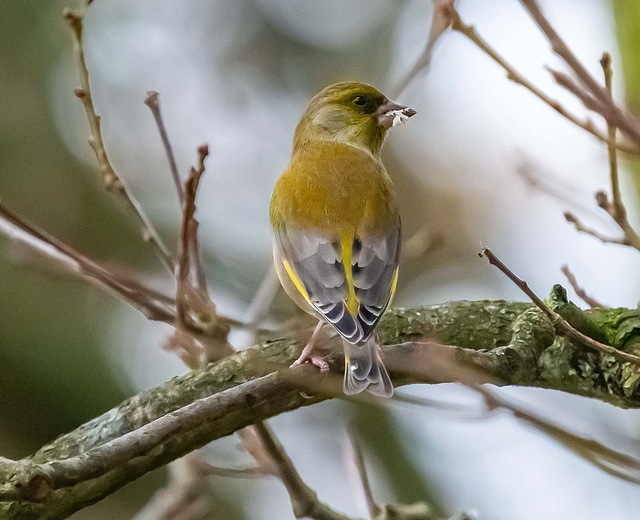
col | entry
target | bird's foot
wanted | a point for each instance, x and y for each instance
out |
(310, 355)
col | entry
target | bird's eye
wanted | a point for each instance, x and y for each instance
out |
(360, 101)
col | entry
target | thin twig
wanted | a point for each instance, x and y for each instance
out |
(153, 305)
(615, 208)
(194, 308)
(605, 105)
(611, 461)
(206, 469)
(190, 248)
(134, 293)
(153, 102)
(110, 178)
(358, 459)
(618, 207)
(580, 227)
(185, 263)
(440, 22)
(470, 32)
(582, 294)
(561, 325)
(304, 501)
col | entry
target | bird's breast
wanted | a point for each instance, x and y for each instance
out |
(334, 186)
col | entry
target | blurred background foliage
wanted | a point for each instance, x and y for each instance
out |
(238, 75)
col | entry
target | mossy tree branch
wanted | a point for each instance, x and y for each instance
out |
(486, 341)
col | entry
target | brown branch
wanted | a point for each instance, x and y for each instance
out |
(441, 20)
(618, 207)
(358, 460)
(470, 32)
(110, 178)
(304, 500)
(582, 294)
(561, 325)
(615, 208)
(194, 308)
(594, 93)
(246, 392)
(581, 228)
(153, 102)
(611, 461)
(210, 470)
(143, 299)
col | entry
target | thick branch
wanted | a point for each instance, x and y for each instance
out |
(509, 343)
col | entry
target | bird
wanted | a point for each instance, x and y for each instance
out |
(336, 226)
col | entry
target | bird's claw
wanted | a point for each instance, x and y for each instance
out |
(315, 360)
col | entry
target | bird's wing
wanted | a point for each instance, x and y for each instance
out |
(349, 280)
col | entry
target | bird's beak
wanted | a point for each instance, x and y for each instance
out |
(391, 114)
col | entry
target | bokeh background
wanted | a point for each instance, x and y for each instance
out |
(238, 75)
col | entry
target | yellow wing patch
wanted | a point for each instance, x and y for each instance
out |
(346, 244)
(296, 281)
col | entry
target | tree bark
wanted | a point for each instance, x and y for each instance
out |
(501, 342)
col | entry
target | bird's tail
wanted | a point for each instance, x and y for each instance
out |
(364, 370)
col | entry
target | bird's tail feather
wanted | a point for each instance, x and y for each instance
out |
(364, 369)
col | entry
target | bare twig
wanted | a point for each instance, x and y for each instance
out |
(589, 300)
(614, 208)
(152, 304)
(560, 324)
(611, 461)
(111, 180)
(209, 470)
(582, 228)
(593, 95)
(470, 32)
(422, 242)
(191, 248)
(617, 205)
(304, 501)
(442, 17)
(358, 459)
(145, 300)
(188, 233)
(195, 310)
(153, 102)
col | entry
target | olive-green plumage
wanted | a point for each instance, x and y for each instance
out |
(336, 223)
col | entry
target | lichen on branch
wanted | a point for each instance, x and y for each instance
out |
(506, 343)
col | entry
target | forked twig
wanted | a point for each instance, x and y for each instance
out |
(589, 300)
(594, 95)
(441, 20)
(110, 178)
(610, 461)
(304, 500)
(153, 305)
(472, 34)
(561, 325)
(614, 208)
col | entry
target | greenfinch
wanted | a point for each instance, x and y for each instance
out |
(336, 226)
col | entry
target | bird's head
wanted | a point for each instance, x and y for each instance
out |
(352, 113)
